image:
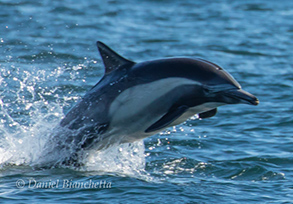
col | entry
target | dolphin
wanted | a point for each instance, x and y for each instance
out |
(133, 101)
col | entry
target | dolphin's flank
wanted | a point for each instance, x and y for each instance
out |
(133, 101)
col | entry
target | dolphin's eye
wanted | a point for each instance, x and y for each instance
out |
(206, 90)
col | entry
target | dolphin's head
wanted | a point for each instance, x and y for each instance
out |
(223, 88)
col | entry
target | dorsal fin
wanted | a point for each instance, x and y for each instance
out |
(111, 59)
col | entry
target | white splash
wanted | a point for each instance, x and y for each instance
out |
(30, 109)
(126, 159)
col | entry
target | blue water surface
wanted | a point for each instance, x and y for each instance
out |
(49, 61)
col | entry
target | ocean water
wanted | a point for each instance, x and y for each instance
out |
(49, 61)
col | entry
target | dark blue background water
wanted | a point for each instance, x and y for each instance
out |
(49, 60)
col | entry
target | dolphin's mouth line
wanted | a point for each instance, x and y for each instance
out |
(241, 95)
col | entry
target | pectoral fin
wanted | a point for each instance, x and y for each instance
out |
(167, 119)
(208, 114)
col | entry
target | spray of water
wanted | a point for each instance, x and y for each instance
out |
(31, 106)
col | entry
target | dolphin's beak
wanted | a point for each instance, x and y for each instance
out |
(241, 96)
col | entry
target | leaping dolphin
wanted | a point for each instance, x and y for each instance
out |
(133, 101)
